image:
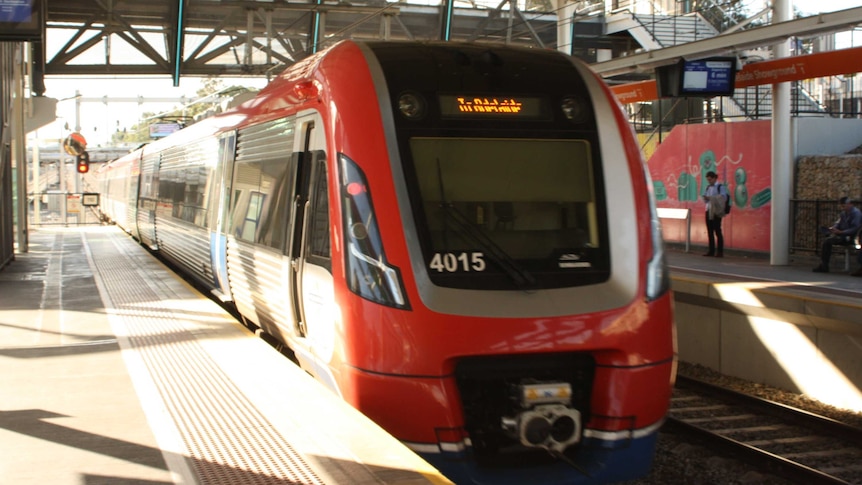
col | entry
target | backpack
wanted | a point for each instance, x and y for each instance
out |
(727, 203)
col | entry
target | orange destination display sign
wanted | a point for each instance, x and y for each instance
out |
(461, 106)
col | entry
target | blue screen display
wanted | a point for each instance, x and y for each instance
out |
(15, 10)
(708, 77)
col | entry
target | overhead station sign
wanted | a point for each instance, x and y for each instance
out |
(714, 76)
(22, 20)
(15, 10)
(161, 130)
(821, 64)
(708, 77)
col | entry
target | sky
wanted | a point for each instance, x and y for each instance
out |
(98, 120)
(822, 6)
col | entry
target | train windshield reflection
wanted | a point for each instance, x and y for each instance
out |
(518, 208)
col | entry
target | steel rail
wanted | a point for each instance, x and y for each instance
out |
(761, 458)
(836, 429)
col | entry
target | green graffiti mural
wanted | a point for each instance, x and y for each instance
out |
(659, 190)
(707, 164)
(740, 195)
(736, 152)
(687, 187)
(761, 198)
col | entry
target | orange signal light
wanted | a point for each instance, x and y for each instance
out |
(83, 162)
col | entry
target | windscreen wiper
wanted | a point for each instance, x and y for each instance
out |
(520, 276)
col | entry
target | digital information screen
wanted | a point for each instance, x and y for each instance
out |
(478, 106)
(15, 10)
(161, 130)
(708, 77)
(21, 20)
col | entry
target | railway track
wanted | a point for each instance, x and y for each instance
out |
(785, 441)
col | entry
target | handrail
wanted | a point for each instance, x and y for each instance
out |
(650, 31)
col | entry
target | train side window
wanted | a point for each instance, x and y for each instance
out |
(149, 176)
(261, 167)
(318, 231)
(273, 218)
(246, 182)
(252, 216)
(234, 201)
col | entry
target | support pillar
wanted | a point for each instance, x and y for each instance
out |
(783, 158)
(19, 150)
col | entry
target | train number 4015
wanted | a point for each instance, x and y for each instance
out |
(452, 262)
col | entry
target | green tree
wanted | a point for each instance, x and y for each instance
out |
(209, 99)
(137, 134)
(723, 14)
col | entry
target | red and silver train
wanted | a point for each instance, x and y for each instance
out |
(457, 239)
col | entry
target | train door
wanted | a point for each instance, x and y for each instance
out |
(258, 214)
(132, 189)
(311, 283)
(148, 199)
(295, 245)
(220, 220)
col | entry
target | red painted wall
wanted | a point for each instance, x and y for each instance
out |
(741, 154)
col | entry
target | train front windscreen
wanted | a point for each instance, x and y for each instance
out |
(508, 213)
(501, 157)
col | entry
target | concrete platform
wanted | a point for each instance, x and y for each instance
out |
(785, 326)
(113, 370)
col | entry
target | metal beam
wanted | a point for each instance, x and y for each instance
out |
(275, 33)
(447, 11)
(136, 99)
(179, 34)
(733, 44)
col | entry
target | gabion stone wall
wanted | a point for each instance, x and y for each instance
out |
(823, 178)
(828, 177)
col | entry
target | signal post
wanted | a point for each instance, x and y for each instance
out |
(75, 145)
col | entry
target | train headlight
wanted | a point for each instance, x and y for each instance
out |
(411, 106)
(657, 273)
(369, 274)
(574, 109)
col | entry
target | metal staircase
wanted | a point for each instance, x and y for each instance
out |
(755, 102)
(654, 31)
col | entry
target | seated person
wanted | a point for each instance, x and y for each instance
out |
(841, 233)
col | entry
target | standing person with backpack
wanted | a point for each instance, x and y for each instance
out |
(716, 197)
